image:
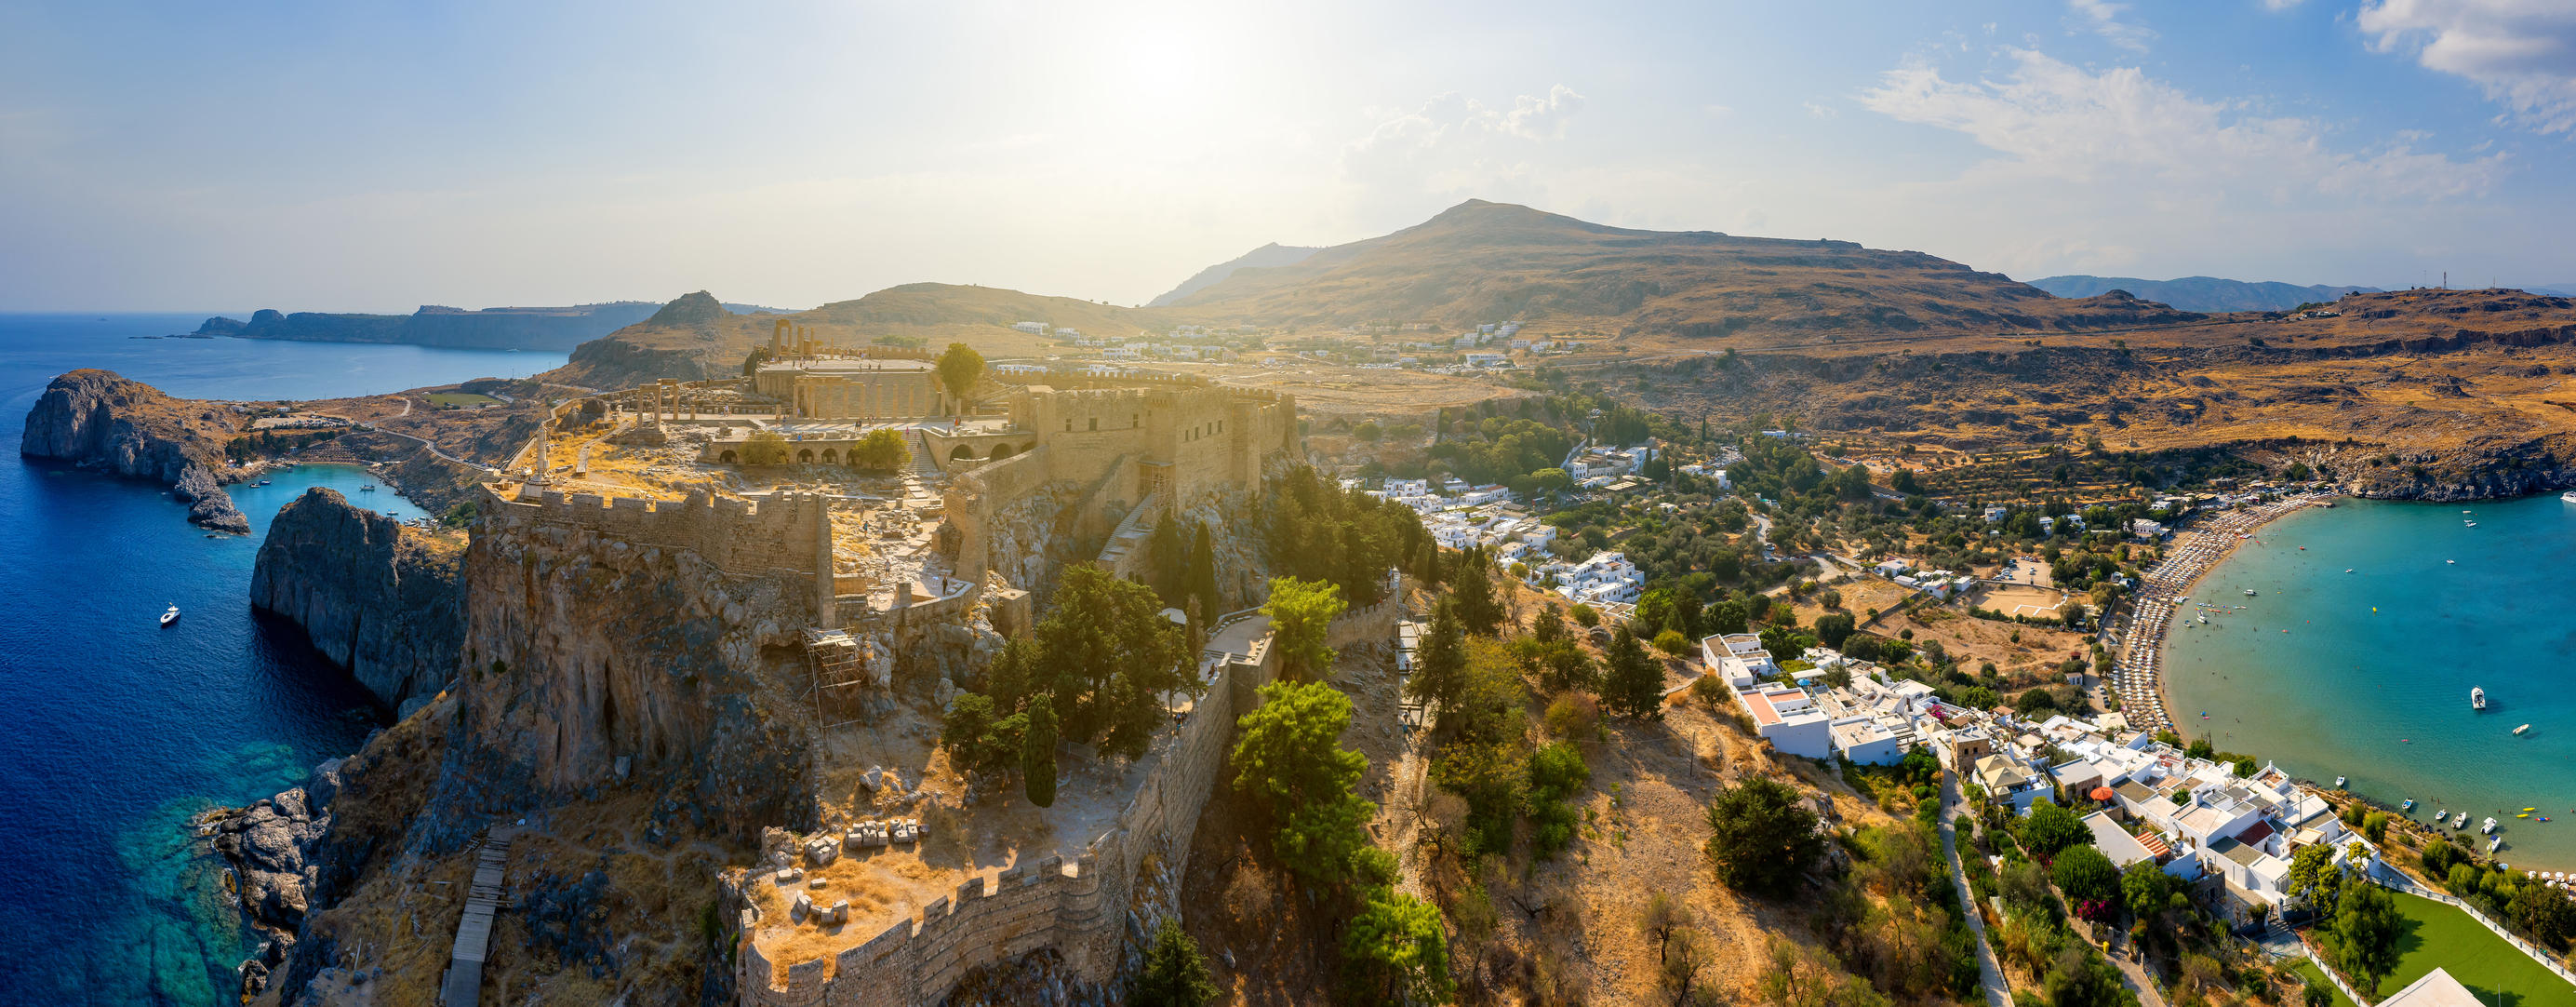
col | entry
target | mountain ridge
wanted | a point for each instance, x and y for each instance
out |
(1265, 257)
(502, 328)
(2209, 294)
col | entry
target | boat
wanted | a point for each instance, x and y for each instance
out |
(2517, 731)
(2408, 806)
(2438, 816)
(2460, 821)
(2493, 843)
(2488, 826)
(2569, 496)
(2338, 783)
(2472, 524)
(170, 616)
(368, 488)
(2249, 592)
(2477, 698)
(2347, 569)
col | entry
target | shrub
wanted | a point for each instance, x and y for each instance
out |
(1573, 715)
(1672, 642)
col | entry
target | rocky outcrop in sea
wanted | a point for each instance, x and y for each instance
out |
(383, 601)
(98, 419)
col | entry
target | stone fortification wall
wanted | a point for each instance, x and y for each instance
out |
(1078, 908)
(739, 537)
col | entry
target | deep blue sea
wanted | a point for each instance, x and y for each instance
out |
(113, 731)
(2367, 674)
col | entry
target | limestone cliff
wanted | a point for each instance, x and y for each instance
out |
(382, 600)
(98, 419)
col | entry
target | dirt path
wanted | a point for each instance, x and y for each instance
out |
(1998, 992)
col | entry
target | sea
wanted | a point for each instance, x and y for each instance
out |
(2369, 624)
(114, 730)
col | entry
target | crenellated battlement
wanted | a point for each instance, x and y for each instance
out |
(741, 537)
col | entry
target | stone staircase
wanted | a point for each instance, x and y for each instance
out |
(1132, 532)
(462, 986)
(923, 467)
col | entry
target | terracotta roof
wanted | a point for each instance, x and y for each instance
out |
(2255, 834)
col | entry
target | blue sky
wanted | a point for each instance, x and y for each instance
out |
(356, 156)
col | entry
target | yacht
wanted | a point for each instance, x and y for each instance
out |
(2488, 826)
(2460, 821)
(2569, 496)
(2477, 698)
(170, 616)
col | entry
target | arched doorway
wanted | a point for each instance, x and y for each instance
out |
(1001, 451)
(831, 457)
(726, 458)
(805, 456)
(964, 453)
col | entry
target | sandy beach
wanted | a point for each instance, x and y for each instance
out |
(2139, 676)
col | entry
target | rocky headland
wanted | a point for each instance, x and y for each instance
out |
(381, 599)
(98, 419)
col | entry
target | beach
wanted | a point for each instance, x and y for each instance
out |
(2139, 675)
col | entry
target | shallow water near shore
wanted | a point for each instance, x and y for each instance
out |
(2371, 679)
(113, 730)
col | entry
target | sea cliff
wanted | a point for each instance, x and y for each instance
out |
(548, 328)
(380, 599)
(98, 419)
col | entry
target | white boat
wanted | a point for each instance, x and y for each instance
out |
(2460, 821)
(2441, 814)
(2493, 843)
(2338, 783)
(170, 616)
(2472, 524)
(2489, 825)
(2569, 496)
(2249, 592)
(2521, 729)
(2408, 806)
(2477, 698)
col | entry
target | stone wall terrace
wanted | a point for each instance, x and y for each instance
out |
(740, 537)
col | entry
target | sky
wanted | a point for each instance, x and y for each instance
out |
(358, 156)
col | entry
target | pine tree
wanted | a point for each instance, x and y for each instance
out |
(1175, 975)
(1473, 587)
(1037, 753)
(1201, 578)
(1633, 684)
(1169, 561)
(1440, 665)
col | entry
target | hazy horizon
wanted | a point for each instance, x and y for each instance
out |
(311, 157)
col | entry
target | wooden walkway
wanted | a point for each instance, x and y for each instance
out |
(463, 984)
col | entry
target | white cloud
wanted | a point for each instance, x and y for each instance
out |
(2102, 17)
(2521, 52)
(2052, 120)
(2279, 5)
(1454, 144)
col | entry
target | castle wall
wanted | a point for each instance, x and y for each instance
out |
(738, 536)
(1078, 908)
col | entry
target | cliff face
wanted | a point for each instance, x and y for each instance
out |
(381, 600)
(592, 660)
(98, 419)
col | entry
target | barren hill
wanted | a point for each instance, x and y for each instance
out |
(1266, 256)
(2201, 293)
(1483, 262)
(693, 338)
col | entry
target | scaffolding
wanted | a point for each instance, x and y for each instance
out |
(840, 673)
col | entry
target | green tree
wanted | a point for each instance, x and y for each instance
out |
(1762, 836)
(1556, 774)
(2051, 828)
(959, 368)
(2314, 879)
(2085, 875)
(2363, 935)
(2544, 912)
(1201, 575)
(764, 447)
(1397, 952)
(979, 738)
(1301, 611)
(1037, 755)
(2148, 890)
(1440, 664)
(1175, 974)
(1290, 763)
(1169, 571)
(1633, 684)
(1107, 656)
(1368, 431)
(1726, 617)
(880, 450)
(1832, 628)
(1471, 586)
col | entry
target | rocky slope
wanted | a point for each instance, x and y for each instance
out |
(381, 600)
(98, 419)
(2201, 293)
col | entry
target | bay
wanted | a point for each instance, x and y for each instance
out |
(113, 730)
(2367, 674)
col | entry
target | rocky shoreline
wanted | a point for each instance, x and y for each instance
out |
(382, 600)
(98, 419)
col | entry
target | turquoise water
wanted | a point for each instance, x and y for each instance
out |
(2311, 677)
(113, 731)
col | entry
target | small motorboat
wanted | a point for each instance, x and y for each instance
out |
(2347, 569)
(368, 488)
(2471, 524)
(2408, 806)
(2249, 592)
(2488, 826)
(2338, 783)
(2477, 697)
(2493, 843)
(2460, 821)
(170, 616)
(2518, 731)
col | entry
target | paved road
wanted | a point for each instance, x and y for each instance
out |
(1998, 992)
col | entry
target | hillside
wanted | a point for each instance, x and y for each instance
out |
(558, 328)
(1484, 262)
(692, 338)
(1264, 257)
(2200, 293)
